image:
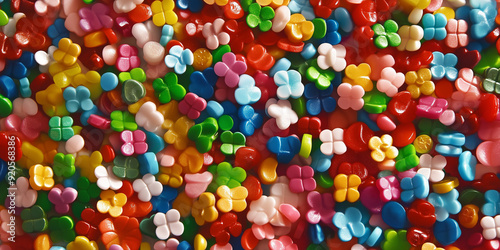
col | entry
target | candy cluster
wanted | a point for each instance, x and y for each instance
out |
(249, 124)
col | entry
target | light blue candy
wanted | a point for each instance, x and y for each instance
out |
(282, 64)
(57, 248)
(447, 232)
(316, 234)
(303, 7)
(247, 93)
(179, 58)
(86, 114)
(148, 163)
(167, 32)
(8, 88)
(320, 162)
(342, 16)
(109, 81)
(492, 205)
(414, 188)
(77, 99)
(434, 26)
(214, 109)
(444, 66)
(349, 224)
(250, 120)
(375, 238)
(154, 141)
(482, 23)
(450, 143)
(467, 166)
(289, 84)
(24, 87)
(308, 51)
(445, 204)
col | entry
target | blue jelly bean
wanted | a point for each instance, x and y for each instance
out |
(154, 141)
(3, 169)
(308, 51)
(148, 163)
(394, 215)
(316, 233)
(447, 231)
(320, 162)
(8, 88)
(450, 143)
(342, 16)
(281, 64)
(184, 245)
(24, 87)
(167, 32)
(467, 166)
(109, 81)
(214, 109)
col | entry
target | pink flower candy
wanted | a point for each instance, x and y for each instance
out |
(230, 69)
(95, 17)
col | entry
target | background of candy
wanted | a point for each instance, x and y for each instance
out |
(16, 70)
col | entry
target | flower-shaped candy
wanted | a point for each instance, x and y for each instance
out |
(407, 158)
(122, 120)
(390, 81)
(82, 243)
(321, 78)
(389, 188)
(260, 16)
(231, 199)
(88, 164)
(249, 120)
(126, 167)
(215, 36)
(163, 12)
(350, 96)
(298, 29)
(133, 142)
(457, 33)
(283, 242)
(419, 82)
(223, 229)
(445, 204)
(346, 187)
(332, 142)
(204, 209)
(77, 99)
(491, 83)
(321, 208)
(283, 112)
(410, 37)
(262, 210)
(247, 93)
(430, 107)
(168, 223)
(148, 117)
(106, 179)
(202, 83)
(450, 144)
(444, 66)
(68, 52)
(301, 178)
(177, 134)
(95, 17)
(230, 69)
(169, 88)
(42, 6)
(492, 205)
(25, 196)
(491, 227)
(62, 198)
(171, 176)
(34, 219)
(349, 224)
(123, 231)
(302, 6)
(179, 58)
(318, 100)
(467, 82)
(395, 240)
(359, 75)
(285, 148)
(127, 58)
(147, 187)
(41, 177)
(414, 188)
(163, 202)
(332, 56)
(192, 105)
(386, 35)
(289, 84)
(432, 167)
(482, 18)
(434, 26)
(111, 203)
(203, 134)
(382, 148)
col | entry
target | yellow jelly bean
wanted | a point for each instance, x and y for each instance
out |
(446, 11)
(163, 12)
(346, 187)
(171, 176)
(87, 164)
(42, 242)
(179, 31)
(31, 155)
(95, 39)
(468, 216)
(232, 199)
(419, 82)
(359, 75)
(200, 243)
(91, 80)
(82, 243)
(446, 185)
(202, 59)
(204, 209)
(177, 134)
(191, 160)
(423, 144)
(430, 246)
(277, 53)
(67, 52)
(183, 204)
(77, 129)
(111, 203)
(298, 29)
(382, 148)
(63, 74)
(267, 171)
(52, 101)
(410, 4)
(306, 146)
(145, 246)
(41, 177)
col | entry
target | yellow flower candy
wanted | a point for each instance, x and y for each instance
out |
(382, 148)
(171, 176)
(346, 187)
(111, 203)
(204, 209)
(419, 82)
(41, 177)
(232, 199)
(163, 12)
(298, 29)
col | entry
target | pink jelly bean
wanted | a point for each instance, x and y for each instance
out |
(290, 212)
(447, 117)
(487, 153)
(385, 123)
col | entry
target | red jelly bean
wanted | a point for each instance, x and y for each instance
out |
(403, 135)
(403, 107)
(356, 137)
(247, 158)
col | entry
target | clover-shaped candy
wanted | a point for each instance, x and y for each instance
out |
(346, 187)
(133, 142)
(249, 120)
(60, 128)
(491, 83)
(177, 135)
(283, 112)
(163, 202)
(491, 227)
(332, 56)
(389, 188)
(204, 209)
(25, 196)
(163, 12)
(414, 188)
(126, 167)
(148, 117)
(227, 175)
(419, 82)
(123, 231)
(407, 158)
(302, 6)
(87, 190)
(434, 26)
(168, 88)
(432, 167)
(62, 198)
(382, 148)
(285, 148)
(247, 93)
(390, 81)
(492, 205)
(202, 83)
(214, 35)
(349, 224)
(410, 37)
(450, 144)
(61, 229)
(444, 66)
(111, 203)
(482, 19)
(289, 84)
(68, 52)
(168, 223)
(41, 177)
(260, 16)
(77, 99)
(179, 58)
(321, 208)
(386, 35)
(445, 204)
(350, 96)
(64, 165)
(147, 187)
(332, 142)
(106, 179)
(430, 107)
(231, 199)
(42, 6)
(171, 176)
(80, 243)
(34, 219)
(395, 239)
(95, 17)
(319, 99)
(301, 178)
(122, 120)
(192, 105)
(231, 142)
(283, 242)
(262, 210)
(457, 33)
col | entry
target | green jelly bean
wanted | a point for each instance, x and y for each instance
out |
(375, 102)
(231, 142)
(324, 180)
(226, 122)
(5, 106)
(319, 28)
(471, 196)
(133, 91)
(299, 106)
(190, 229)
(4, 19)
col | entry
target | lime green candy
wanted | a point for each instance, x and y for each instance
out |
(87, 190)
(324, 180)
(231, 142)
(122, 120)
(168, 88)
(375, 102)
(489, 59)
(395, 240)
(203, 134)
(321, 78)
(299, 106)
(61, 229)
(126, 167)
(137, 74)
(34, 219)
(260, 16)
(386, 35)
(226, 122)
(319, 28)
(60, 128)
(4, 19)
(225, 174)
(219, 52)
(64, 165)
(407, 158)
(5, 106)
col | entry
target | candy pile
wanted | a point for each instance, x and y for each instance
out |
(249, 124)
